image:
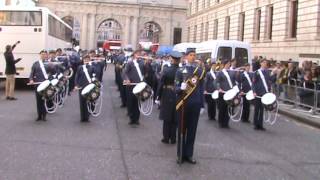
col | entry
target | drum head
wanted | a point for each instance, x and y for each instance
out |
(215, 94)
(60, 76)
(54, 82)
(87, 89)
(236, 89)
(249, 95)
(229, 95)
(268, 99)
(43, 85)
(139, 88)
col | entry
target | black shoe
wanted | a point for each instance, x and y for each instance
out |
(122, 106)
(44, 118)
(85, 121)
(180, 161)
(165, 141)
(7, 98)
(245, 121)
(38, 118)
(259, 128)
(190, 160)
(173, 142)
(131, 123)
(12, 98)
(137, 123)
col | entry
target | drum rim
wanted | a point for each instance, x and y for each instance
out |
(229, 92)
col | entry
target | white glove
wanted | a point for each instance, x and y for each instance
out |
(202, 110)
(183, 86)
(157, 102)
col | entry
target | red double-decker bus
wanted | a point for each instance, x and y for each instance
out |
(111, 45)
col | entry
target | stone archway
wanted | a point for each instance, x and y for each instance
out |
(75, 24)
(109, 29)
(150, 32)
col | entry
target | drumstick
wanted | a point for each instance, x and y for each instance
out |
(35, 83)
(130, 84)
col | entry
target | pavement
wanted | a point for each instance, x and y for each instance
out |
(107, 148)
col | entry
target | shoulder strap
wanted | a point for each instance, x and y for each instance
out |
(226, 74)
(263, 80)
(85, 70)
(248, 78)
(44, 72)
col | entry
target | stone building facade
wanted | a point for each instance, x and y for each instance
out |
(278, 29)
(132, 18)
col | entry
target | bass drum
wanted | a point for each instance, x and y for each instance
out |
(143, 91)
(46, 90)
(231, 98)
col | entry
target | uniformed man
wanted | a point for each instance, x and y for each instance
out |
(166, 95)
(210, 87)
(261, 85)
(39, 74)
(225, 82)
(190, 101)
(120, 62)
(133, 74)
(84, 77)
(97, 64)
(245, 87)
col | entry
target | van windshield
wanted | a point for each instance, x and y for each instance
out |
(204, 57)
(241, 55)
(224, 53)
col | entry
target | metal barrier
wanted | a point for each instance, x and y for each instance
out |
(301, 97)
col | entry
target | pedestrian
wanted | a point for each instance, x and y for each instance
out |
(84, 77)
(225, 82)
(189, 104)
(209, 87)
(166, 95)
(133, 74)
(262, 81)
(10, 71)
(39, 74)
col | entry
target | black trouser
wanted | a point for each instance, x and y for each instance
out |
(170, 127)
(132, 104)
(223, 112)
(258, 113)
(84, 114)
(123, 93)
(190, 123)
(41, 109)
(71, 81)
(245, 110)
(211, 105)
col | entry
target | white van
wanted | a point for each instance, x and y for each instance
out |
(225, 49)
(182, 47)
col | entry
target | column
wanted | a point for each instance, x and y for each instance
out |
(92, 32)
(127, 34)
(168, 32)
(84, 31)
(134, 40)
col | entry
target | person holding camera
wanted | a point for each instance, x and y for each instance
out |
(10, 71)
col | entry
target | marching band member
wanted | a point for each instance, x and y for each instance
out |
(133, 74)
(189, 89)
(261, 85)
(210, 87)
(120, 63)
(225, 82)
(166, 95)
(82, 79)
(245, 87)
(97, 64)
(39, 74)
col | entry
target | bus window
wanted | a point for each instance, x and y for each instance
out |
(241, 55)
(224, 53)
(20, 18)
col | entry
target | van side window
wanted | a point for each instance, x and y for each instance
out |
(241, 55)
(224, 53)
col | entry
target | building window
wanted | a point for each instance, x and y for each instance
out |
(269, 22)
(206, 38)
(190, 8)
(197, 5)
(188, 35)
(201, 32)
(195, 33)
(215, 29)
(177, 33)
(217, 1)
(241, 26)
(227, 28)
(293, 19)
(203, 4)
(257, 21)
(208, 3)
